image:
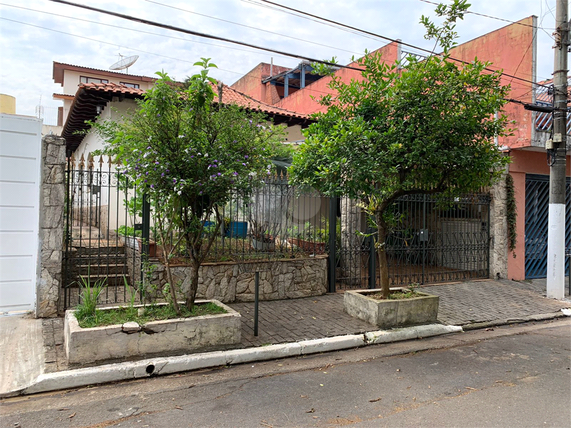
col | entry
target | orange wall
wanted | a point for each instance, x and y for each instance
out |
(510, 48)
(531, 163)
(302, 102)
(251, 83)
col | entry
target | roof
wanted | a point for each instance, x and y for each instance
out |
(544, 97)
(232, 96)
(59, 67)
(92, 98)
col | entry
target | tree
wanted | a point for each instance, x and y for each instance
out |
(188, 155)
(428, 128)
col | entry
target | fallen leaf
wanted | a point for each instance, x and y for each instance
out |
(374, 400)
(178, 407)
(489, 329)
(473, 389)
(303, 396)
(312, 410)
(398, 370)
(72, 415)
(62, 409)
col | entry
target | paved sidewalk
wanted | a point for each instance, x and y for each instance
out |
(282, 321)
(468, 304)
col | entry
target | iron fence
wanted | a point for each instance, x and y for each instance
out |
(111, 234)
(433, 240)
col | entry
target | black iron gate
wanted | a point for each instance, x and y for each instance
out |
(431, 242)
(536, 224)
(94, 243)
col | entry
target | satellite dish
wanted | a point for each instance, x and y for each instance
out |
(124, 63)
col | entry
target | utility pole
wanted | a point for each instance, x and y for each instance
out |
(557, 179)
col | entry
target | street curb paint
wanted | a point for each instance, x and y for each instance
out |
(168, 365)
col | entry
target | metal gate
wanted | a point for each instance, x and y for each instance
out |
(536, 224)
(432, 241)
(95, 245)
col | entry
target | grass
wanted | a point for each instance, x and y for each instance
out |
(122, 315)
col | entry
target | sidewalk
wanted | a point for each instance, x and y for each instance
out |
(30, 348)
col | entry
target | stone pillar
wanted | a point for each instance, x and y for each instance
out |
(498, 230)
(52, 203)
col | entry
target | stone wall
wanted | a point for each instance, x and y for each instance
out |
(52, 202)
(234, 282)
(498, 231)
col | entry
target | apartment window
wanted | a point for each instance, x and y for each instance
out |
(130, 85)
(85, 79)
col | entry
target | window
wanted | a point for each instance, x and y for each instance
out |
(130, 85)
(85, 79)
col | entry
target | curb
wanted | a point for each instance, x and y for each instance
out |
(508, 321)
(169, 365)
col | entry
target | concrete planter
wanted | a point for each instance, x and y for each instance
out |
(391, 313)
(167, 337)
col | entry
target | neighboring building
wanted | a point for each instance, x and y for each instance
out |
(100, 99)
(512, 49)
(7, 104)
(70, 77)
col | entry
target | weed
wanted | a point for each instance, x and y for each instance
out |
(88, 297)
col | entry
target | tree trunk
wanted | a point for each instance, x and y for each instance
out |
(172, 287)
(380, 243)
(191, 294)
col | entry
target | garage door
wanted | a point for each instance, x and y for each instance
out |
(20, 158)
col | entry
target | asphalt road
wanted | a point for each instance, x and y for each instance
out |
(514, 376)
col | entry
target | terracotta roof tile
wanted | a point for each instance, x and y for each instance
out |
(111, 88)
(232, 96)
(91, 97)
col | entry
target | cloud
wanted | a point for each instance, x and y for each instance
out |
(28, 52)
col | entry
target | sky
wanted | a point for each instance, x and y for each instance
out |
(35, 33)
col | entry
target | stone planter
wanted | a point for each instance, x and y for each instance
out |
(391, 313)
(167, 337)
(137, 244)
(265, 244)
(308, 246)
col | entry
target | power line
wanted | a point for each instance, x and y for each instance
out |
(140, 50)
(250, 27)
(199, 34)
(114, 44)
(493, 17)
(188, 32)
(309, 19)
(383, 37)
(118, 27)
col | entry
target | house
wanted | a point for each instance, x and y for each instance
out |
(70, 77)
(512, 49)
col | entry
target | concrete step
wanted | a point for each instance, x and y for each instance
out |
(116, 280)
(101, 268)
(97, 250)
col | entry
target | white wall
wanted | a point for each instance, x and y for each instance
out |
(20, 167)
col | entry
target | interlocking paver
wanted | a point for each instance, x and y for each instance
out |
(316, 317)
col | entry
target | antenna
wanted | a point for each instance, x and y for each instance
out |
(124, 63)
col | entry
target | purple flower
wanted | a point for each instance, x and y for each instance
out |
(235, 173)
